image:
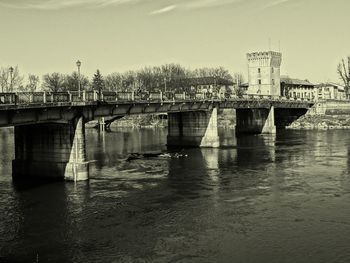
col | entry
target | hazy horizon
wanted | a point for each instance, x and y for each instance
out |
(44, 36)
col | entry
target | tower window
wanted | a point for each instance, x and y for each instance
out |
(259, 81)
(273, 82)
(272, 70)
(259, 70)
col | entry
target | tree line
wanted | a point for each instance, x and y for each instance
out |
(146, 79)
(153, 78)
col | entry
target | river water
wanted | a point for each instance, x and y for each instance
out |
(283, 198)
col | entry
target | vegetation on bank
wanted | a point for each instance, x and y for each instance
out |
(140, 121)
(321, 122)
(226, 118)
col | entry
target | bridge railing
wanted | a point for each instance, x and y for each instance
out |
(25, 97)
(155, 96)
(60, 97)
(124, 96)
(7, 98)
(111, 96)
(168, 96)
(107, 96)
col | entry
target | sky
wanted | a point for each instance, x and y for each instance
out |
(45, 36)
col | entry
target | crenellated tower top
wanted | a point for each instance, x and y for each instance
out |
(267, 58)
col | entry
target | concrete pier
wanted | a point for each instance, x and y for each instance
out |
(51, 151)
(193, 129)
(255, 121)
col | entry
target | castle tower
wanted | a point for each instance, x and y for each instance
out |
(264, 73)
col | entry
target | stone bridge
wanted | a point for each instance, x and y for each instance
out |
(50, 126)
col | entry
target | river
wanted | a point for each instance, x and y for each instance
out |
(281, 198)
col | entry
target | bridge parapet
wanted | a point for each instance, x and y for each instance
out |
(88, 97)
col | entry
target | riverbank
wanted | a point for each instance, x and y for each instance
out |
(226, 118)
(134, 121)
(140, 121)
(325, 115)
(321, 122)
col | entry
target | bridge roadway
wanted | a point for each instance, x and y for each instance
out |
(50, 131)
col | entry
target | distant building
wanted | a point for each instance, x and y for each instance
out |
(297, 89)
(264, 73)
(327, 91)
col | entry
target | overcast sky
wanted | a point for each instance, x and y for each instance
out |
(43, 36)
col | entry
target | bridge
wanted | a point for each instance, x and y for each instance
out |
(49, 127)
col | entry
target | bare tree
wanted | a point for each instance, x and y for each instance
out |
(72, 82)
(239, 80)
(32, 84)
(219, 72)
(53, 82)
(10, 81)
(344, 73)
(129, 80)
(113, 82)
(4, 79)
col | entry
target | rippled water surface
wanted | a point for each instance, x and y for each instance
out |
(256, 199)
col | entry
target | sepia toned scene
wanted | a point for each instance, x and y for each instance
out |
(174, 131)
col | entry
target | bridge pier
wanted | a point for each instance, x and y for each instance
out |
(51, 151)
(255, 121)
(194, 129)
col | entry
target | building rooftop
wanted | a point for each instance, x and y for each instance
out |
(331, 84)
(297, 82)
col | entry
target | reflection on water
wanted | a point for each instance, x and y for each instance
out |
(281, 198)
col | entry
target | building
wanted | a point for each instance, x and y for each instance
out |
(297, 89)
(330, 91)
(264, 73)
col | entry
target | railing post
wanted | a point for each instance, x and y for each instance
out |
(94, 94)
(70, 97)
(44, 97)
(52, 97)
(184, 95)
(133, 95)
(161, 96)
(31, 98)
(84, 95)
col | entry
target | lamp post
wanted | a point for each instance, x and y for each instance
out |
(164, 84)
(78, 65)
(11, 77)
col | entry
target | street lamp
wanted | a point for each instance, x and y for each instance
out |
(164, 84)
(78, 65)
(11, 77)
